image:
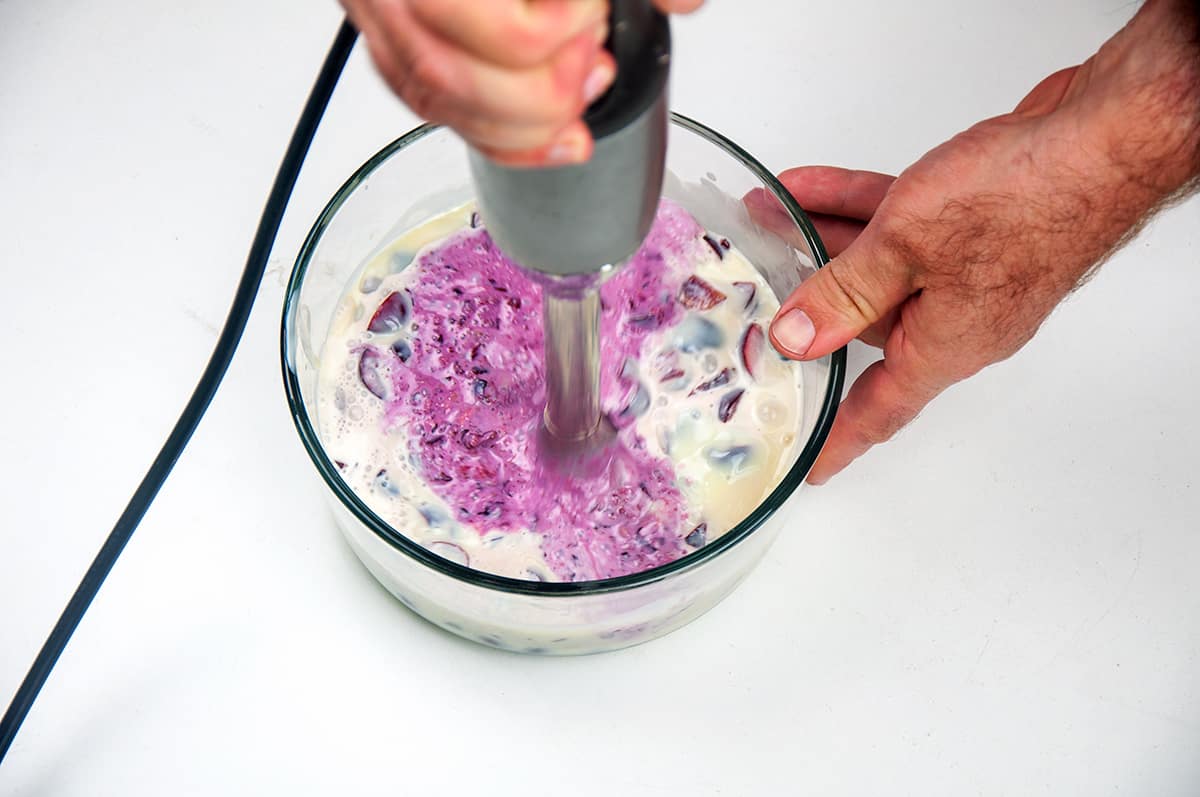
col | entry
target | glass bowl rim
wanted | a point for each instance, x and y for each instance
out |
(791, 481)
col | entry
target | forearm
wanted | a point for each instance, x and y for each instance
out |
(1117, 138)
(1143, 95)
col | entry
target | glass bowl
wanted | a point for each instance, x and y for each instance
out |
(425, 173)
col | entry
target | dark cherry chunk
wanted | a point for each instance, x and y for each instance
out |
(391, 314)
(697, 536)
(720, 380)
(696, 294)
(754, 344)
(369, 364)
(729, 404)
(716, 246)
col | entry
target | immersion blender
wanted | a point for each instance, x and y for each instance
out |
(573, 226)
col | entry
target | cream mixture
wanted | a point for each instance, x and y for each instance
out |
(432, 387)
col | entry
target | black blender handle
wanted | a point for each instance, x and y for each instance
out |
(639, 38)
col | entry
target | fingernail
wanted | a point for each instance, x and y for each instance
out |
(569, 147)
(794, 331)
(598, 81)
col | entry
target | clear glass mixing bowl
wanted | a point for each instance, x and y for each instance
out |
(424, 174)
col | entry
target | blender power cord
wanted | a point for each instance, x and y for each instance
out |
(235, 325)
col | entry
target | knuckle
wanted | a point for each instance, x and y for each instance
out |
(845, 289)
(557, 92)
(561, 103)
(506, 138)
(530, 44)
(537, 31)
(420, 81)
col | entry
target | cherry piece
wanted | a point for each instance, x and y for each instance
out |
(696, 294)
(754, 344)
(719, 380)
(369, 364)
(716, 247)
(729, 404)
(391, 314)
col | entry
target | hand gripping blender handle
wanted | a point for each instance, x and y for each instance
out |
(574, 221)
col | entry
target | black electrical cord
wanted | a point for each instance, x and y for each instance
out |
(235, 325)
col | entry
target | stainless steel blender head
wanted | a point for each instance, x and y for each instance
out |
(571, 226)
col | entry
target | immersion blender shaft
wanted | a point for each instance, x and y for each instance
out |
(572, 349)
(571, 225)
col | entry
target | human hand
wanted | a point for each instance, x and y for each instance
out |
(513, 77)
(955, 264)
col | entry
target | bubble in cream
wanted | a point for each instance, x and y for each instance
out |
(770, 412)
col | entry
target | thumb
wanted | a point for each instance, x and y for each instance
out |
(838, 303)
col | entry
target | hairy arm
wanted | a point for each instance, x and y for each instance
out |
(954, 265)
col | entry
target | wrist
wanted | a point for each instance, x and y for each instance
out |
(1141, 94)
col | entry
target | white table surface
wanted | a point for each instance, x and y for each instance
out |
(1001, 601)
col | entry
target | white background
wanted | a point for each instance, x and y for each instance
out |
(1001, 601)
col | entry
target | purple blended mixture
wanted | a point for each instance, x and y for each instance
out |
(467, 384)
